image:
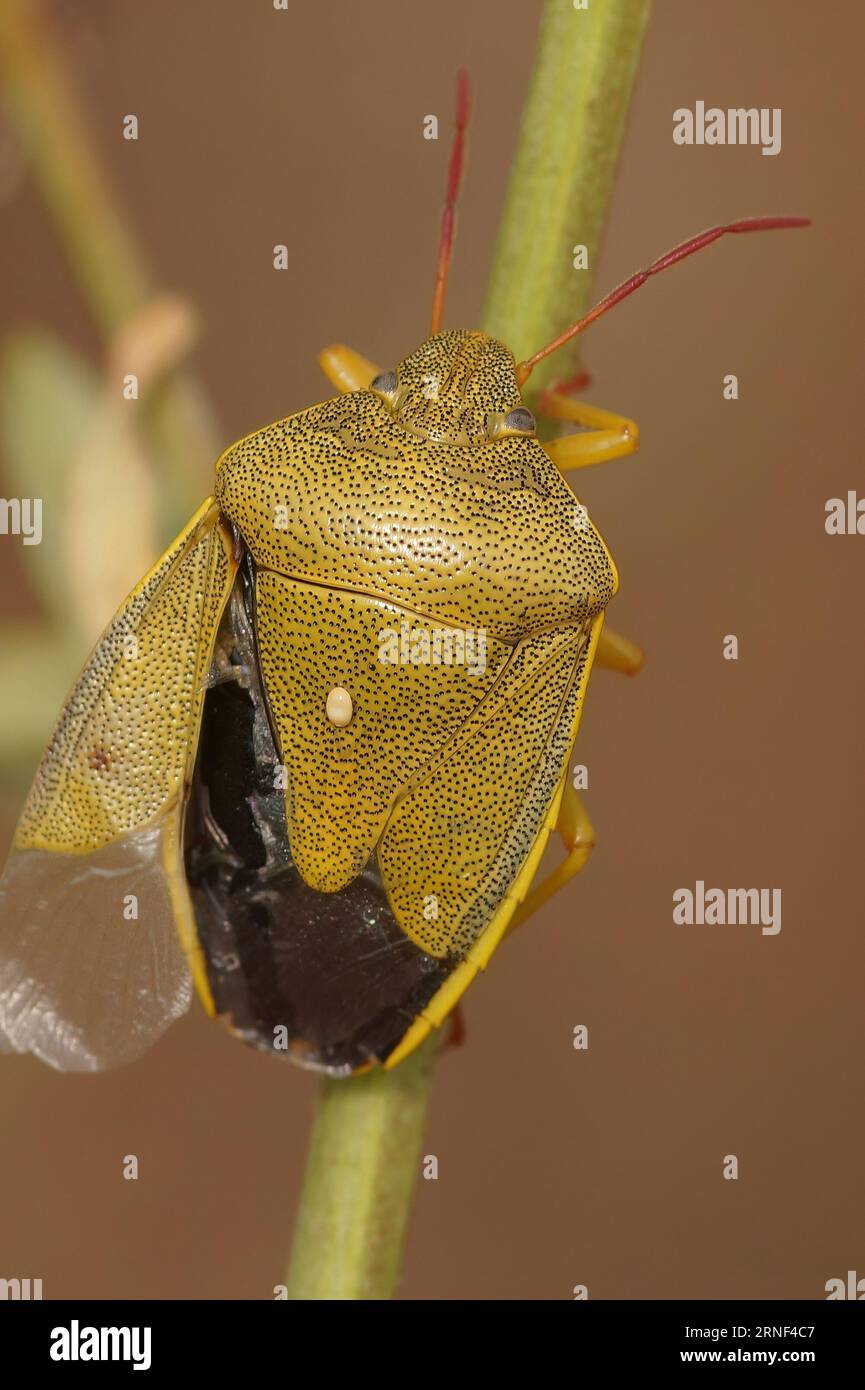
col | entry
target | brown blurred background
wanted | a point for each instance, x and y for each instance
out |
(556, 1167)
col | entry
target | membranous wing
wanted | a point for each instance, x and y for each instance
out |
(91, 965)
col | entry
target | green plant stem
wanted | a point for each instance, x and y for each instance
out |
(364, 1155)
(45, 110)
(562, 176)
(363, 1166)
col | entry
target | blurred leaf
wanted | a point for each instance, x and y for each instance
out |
(75, 440)
(110, 534)
(48, 397)
(154, 340)
(37, 668)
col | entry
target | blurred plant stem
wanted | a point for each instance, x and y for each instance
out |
(41, 102)
(51, 397)
(364, 1156)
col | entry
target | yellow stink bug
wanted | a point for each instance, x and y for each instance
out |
(313, 762)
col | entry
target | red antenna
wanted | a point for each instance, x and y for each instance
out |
(446, 239)
(678, 253)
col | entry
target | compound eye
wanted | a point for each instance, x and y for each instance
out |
(518, 421)
(521, 421)
(385, 385)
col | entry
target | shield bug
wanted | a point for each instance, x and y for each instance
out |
(313, 762)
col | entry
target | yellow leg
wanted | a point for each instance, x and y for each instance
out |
(436, 1010)
(617, 653)
(606, 436)
(346, 369)
(578, 835)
